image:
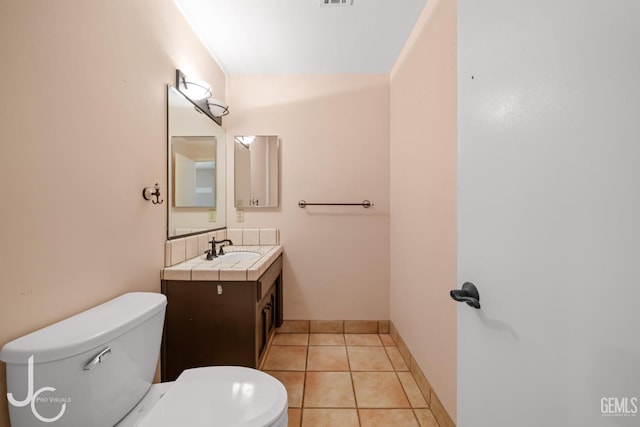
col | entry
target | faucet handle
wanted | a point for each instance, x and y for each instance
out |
(210, 254)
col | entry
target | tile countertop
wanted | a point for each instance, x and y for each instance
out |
(199, 268)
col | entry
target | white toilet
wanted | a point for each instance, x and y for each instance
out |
(95, 370)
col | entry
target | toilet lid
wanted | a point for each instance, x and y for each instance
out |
(224, 396)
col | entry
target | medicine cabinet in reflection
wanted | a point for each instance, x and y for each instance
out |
(256, 171)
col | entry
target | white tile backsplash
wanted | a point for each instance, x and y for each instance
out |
(235, 236)
(221, 234)
(268, 236)
(250, 237)
(203, 242)
(191, 246)
(179, 250)
(167, 253)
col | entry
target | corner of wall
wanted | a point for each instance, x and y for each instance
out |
(423, 152)
(440, 413)
(414, 36)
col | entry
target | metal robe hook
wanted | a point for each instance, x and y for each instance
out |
(148, 194)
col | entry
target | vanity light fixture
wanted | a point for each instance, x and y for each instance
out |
(199, 92)
(217, 107)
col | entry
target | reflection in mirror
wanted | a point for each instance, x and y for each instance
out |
(196, 169)
(256, 171)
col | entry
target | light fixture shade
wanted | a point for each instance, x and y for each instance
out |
(217, 107)
(196, 89)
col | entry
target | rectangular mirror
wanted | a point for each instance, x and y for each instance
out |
(196, 169)
(256, 159)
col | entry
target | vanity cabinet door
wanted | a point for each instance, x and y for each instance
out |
(208, 323)
(271, 281)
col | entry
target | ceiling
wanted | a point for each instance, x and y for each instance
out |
(300, 36)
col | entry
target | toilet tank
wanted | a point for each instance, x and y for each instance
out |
(88, 370)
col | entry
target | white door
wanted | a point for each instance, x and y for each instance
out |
(549, 212)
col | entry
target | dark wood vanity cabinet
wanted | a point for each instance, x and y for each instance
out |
(219, 322)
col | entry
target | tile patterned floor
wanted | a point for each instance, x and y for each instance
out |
(346, 380)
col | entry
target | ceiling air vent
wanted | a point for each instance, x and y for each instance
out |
(329, 3)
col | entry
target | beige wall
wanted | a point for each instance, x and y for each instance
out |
(423, 196)
(83, 130)
(334, 132)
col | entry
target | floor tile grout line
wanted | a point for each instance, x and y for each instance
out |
(418, 419)
(304, 386)
(413, 409)
(357, 408)
(395, 408)
(353, 384)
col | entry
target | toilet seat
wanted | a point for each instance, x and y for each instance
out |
(225, 396)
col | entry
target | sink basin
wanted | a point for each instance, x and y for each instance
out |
(236, 256)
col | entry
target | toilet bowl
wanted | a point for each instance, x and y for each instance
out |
(96, 368)
(216, 396)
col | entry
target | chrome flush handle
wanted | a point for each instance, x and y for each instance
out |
(97, 359)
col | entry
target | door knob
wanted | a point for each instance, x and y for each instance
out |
(468, 293)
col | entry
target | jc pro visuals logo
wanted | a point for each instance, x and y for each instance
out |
(619, 406)
(35, 397)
